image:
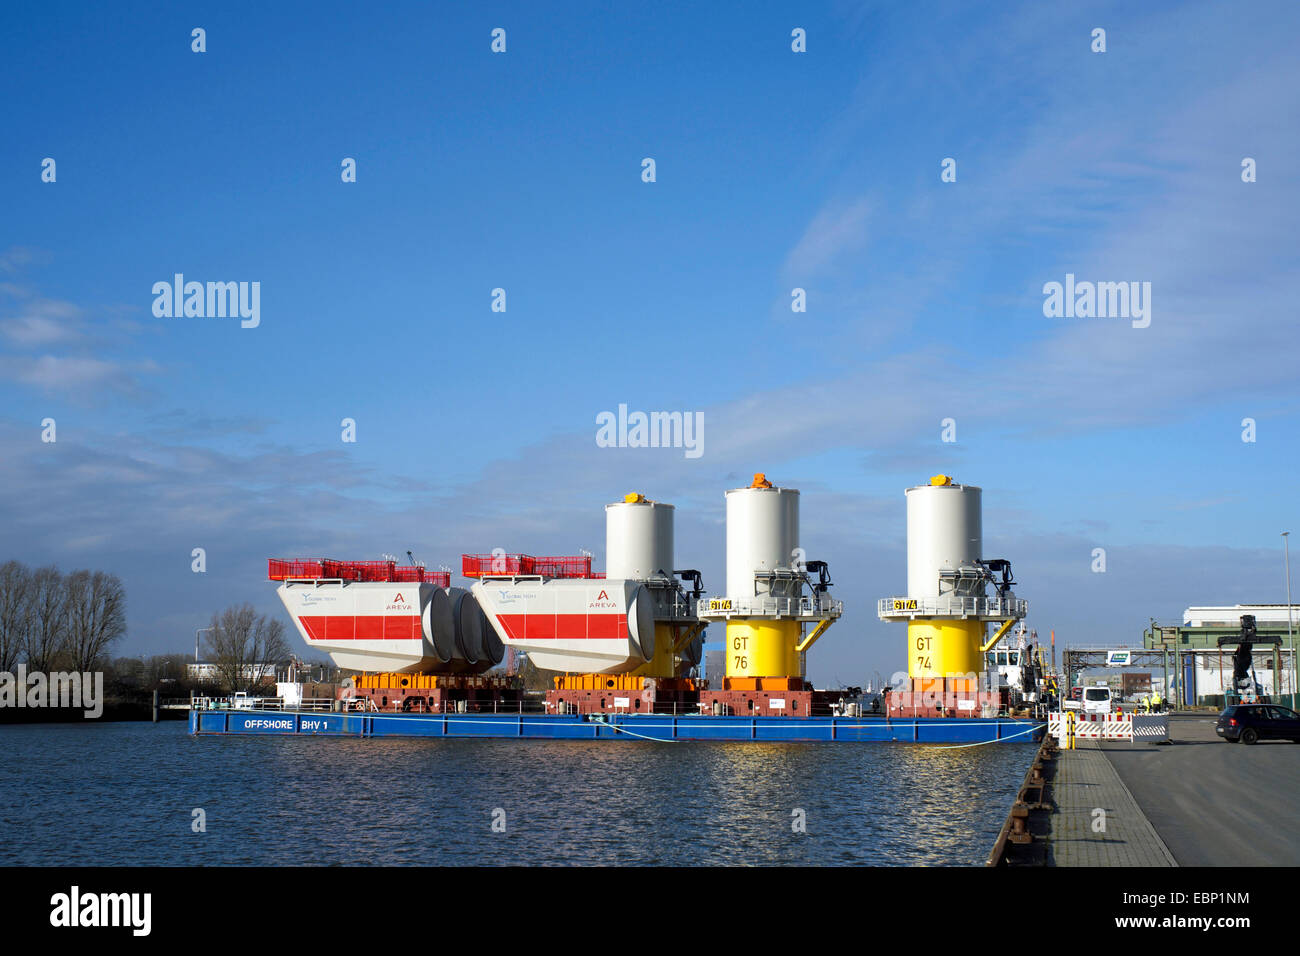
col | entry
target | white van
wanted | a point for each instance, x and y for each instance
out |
(1096, 699)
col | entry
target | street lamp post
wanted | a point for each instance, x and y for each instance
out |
(1290, 635)
(196, 641)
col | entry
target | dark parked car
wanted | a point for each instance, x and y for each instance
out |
(1251, 722)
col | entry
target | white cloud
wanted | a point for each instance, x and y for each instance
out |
(837, 229)
(73, 375)
(44, 322)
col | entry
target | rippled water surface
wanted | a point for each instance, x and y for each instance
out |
(124, 794)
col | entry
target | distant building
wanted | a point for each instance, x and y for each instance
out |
(1268, 617)
(1200, 669)
(1133, 684)
(208, 672)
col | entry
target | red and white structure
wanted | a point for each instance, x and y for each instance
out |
(570, 620)
(379, 616)
(584, 625)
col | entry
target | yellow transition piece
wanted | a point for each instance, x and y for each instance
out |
(940, 648)
(763, 648)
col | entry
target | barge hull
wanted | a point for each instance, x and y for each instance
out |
(652, 727)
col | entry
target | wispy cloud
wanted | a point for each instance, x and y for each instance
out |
(44, 322)
(68, 353)
(837, 230)
(18, 258)
(76, 375)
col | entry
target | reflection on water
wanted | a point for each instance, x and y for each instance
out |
(123, 794)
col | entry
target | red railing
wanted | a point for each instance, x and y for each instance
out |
(477, 565)
(423, 575)
(559, 566)
(360, 570)
(279, 569)
(564, 566)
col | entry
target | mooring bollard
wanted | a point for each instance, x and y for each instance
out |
(155, 707)
(1020, 824)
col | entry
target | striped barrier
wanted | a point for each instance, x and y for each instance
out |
(1071, 725)
(1150, 728)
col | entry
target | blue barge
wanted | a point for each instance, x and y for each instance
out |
(663, 728)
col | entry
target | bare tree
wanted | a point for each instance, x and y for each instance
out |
(96, 616)
(162, 667)
(46, 625)
(240, 642)
(15, 609)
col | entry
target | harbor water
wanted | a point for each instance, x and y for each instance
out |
(135, 793)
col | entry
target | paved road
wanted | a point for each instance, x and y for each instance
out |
(1215, 803)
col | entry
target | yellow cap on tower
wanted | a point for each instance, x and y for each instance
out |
(941, 480)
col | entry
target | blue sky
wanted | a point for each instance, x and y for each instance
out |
(775, 170)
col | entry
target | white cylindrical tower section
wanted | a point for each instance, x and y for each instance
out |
(944, 532)
(638, 539)
(762, 535)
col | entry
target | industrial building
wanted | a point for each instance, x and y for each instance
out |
(1200, 669)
